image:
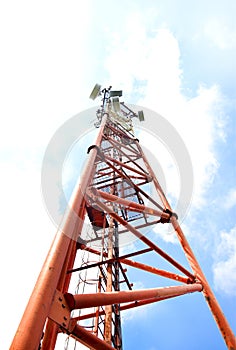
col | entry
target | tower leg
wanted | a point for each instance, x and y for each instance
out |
(29, 332)
(213, 304)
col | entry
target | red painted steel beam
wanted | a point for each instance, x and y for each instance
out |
(122, 307)
(140, 208)
(142, 226)
(29, 332)
(212, 302)
(133, 161)
(119, 132)
(133, 185)
(90, 250)
(155, 271)
(123, 165)
(143, 302)
(108, 261)
(155, 181)
(145, 240)
(215, 308)
(30, 329)
(118, 145)
(126, 162)
(89, 339)
(52, 329)
(79, 301)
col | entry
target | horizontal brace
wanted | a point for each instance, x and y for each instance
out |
(142, 226)
(140, 208)
(124, 259)
(156, 271)
(81, 301)
(102, 174)
(123, 165)
(119, 132)
(107, 184)
(144, 178)
(122, 308)
(99, 263)
(119, 145)
(145, 240)
(132, 184)
(107, 180)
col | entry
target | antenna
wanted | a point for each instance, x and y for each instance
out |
(95, 92)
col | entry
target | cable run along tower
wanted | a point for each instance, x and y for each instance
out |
(111, 201)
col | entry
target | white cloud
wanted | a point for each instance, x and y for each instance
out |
(225, 266)
(220, 33)
(27, 233)
(139, 57)
(42, 69)
(150, 65)
(201, 129)
(44, 80)
(43, 83)
(136, 313)
(230, 199)
(166, 232)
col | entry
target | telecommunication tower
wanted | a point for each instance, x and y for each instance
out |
(111, 200)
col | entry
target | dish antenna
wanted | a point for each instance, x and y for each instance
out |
(141, 116)
(95, 92)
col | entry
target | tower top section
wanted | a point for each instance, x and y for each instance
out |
(118, 112)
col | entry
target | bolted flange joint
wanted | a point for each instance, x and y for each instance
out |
(99, 152)
(165, 220)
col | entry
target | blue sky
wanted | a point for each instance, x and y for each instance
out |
(176, 58)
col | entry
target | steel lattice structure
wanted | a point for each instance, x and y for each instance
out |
(113, 197)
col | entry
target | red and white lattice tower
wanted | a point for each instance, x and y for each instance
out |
(112, 200)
